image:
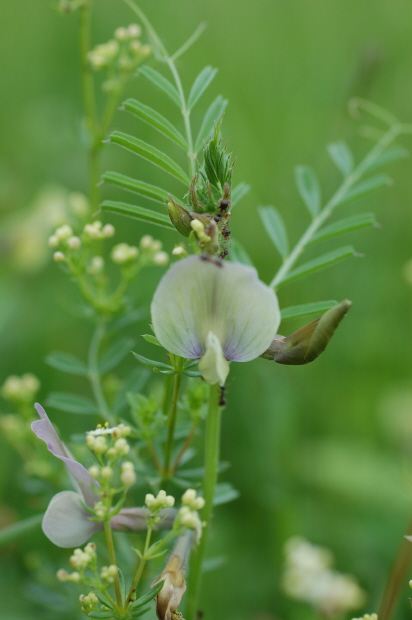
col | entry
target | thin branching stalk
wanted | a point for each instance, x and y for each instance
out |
(212, 449)
(142, 564)
(112, 556)
(172, 423)
(94, 373)
(337, 197)
(184, 447)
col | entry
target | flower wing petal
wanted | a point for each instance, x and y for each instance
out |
(66, 522)
(45, 431)
(199, 295)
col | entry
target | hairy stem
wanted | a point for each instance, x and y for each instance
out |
(212, 447)
(94, 374)
(348, 182)
(112, 556)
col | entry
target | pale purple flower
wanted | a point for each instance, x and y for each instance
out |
(214, 311)
(66, 522)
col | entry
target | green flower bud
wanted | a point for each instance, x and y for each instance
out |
(306, 344)
(179, 217)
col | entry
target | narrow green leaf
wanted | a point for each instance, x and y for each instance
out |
(321, 262)
(137, 187)
(317, 307)
(238, 254)
(393, 153)
(200, 84)
(149, 596)
(152, 363)
(138, 213)
(140, 611)
(210, 119)
(342, 157)
(100, 614)
(348, 224)
(152, 339)
(103, 599)
(161, 82)
(238, 193)
(115, 354)
(308, 188)
(66, 363)
(365, 187)
(273, 223)
(12, 532)
(71, 403)
(156, 120)
(225, 492)
(150, 153)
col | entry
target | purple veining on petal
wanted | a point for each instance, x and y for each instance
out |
(45, 431)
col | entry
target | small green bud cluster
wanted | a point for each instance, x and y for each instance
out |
(155, 504)
(109, 573)
(20, 390)
(188, 517)
(151, 250)
(81, 560)
(89, 602)
(120, 56)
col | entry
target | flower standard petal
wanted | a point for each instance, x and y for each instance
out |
(66, 523)
(201, 295)
(45, 431)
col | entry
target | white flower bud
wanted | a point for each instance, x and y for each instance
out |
(53, 241)
(146, 242)
(90, 441)
(160, 258)
(94, 471)
(99, 445)
(74, 243)
(135, 47)
(190, 499)
(90, 550)
(122, 447)
(63, 232)
(108, 231)
(179, 250)
(96, 265)
(106, 473)
(121, 34)
(123, 253)
(134, 31)
(59, 257)
(128, 477)
(62, 575)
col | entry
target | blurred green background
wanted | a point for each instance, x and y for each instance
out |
(322, 451)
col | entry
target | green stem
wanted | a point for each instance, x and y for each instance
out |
(397, 578)
(172, 423)
(112, 556)
(349, 181)
(212, 446)
(141, 566)
(94, 374)
(89, 105)
(184, 447)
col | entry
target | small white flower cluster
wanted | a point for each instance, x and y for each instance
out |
(63, 237)
(155, 504)
(20, 389)
(83, 558)
(119, 55)
(153, 250)
(308, 576)
(96, 230)
(124, 253)
(99, 445)
(108, 573)
(367, 617)
(188, 516)
(89, 602)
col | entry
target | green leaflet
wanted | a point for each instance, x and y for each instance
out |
(321, 262)
(149, 596)
(136, 186)
(210, 119)
(150, 153)
(308, 188)
(154, 365)
(138, 213)
(161, 82)
(273, 223)
(317, 307)
(71, 403)
(342, 157)
(199, 86)
(66, 363)
(393, 153)
(115, 354)
(365, 187)
(156, 120)
(348, 224)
